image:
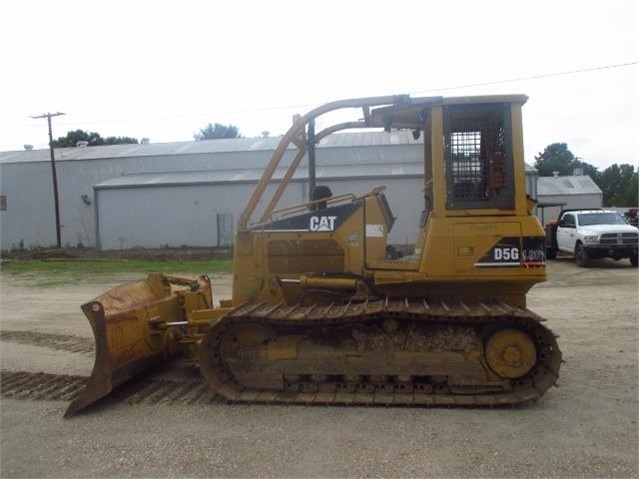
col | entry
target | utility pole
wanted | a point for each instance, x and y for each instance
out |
(53, 173)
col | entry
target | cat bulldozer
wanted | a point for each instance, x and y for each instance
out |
(325, 311)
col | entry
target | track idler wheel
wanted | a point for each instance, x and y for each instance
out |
(511, 353)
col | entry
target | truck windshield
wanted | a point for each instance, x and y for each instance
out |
(588, 219)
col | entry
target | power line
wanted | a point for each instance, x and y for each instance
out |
(417, 92)
(531, 77)
(494, 82)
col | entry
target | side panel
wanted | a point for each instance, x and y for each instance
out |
(328, 241)
(455, 246)
(377, 223)
(248, 266)
(288, 254)
(483, 245)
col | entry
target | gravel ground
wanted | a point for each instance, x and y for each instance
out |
(585, 428)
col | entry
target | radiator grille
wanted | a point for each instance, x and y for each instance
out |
(619, 238)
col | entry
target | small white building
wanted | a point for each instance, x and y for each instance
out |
(555, 193)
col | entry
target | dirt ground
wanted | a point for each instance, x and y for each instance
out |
(587, 427)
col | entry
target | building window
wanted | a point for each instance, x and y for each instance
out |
(3, 202)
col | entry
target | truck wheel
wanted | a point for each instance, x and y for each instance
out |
(551, 253)
(581, 256)
(633, 260)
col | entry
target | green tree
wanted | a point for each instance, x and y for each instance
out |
(94, 139)
(120, 140)
(555, 157)
(217, 131)
(631, 195)
(73, 137)
(587, 169)
(616, 183)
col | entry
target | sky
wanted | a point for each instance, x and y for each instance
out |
(165, 69)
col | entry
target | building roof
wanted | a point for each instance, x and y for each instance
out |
(208, 177)
(338, 140)
(566, 185)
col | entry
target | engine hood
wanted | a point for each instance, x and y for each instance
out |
(599, 229)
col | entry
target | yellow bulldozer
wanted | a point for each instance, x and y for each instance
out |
(325, 311)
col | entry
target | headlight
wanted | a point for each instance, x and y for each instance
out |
(591, 239)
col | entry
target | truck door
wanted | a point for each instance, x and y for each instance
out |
(566, 229)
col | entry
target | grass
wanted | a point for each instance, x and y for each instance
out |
(53, 272)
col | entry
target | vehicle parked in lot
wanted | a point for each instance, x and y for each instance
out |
(631, 217)
(592, 234)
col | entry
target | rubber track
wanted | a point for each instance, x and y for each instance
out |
(530, 388)
(60, 387)
(60, 342)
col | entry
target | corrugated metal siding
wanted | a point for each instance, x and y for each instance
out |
(29, 220)
(141, 151)
(174, 216)
(207, 148)
(30, 216)
(243, 176)
(371, 155)
(187, 215)
(567, 185)
(155, 217)
(25, 178)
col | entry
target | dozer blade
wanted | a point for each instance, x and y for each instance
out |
(133, 329)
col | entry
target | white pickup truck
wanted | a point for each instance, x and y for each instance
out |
(592, 234)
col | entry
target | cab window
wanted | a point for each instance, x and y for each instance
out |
(478, 156)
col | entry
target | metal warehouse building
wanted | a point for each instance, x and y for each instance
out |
(189, 193)
(192, 193)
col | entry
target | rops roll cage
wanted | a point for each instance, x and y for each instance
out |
(396, 111)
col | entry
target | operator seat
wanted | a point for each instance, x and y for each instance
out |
(320, 192)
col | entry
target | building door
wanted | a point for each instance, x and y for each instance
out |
(224, 229)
